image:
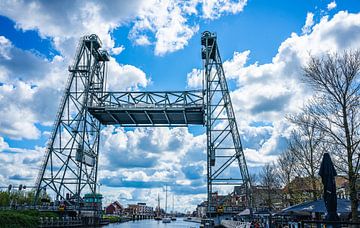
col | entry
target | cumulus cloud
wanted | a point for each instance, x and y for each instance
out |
(266, 92)
(169, 21)
(331, 5)
(117, 50)
(19, 166)
(30, 92)
(164, 23)
(67, 21)
(213, 9)
(125, 77)
(5, 46)
(3, 145)
(195, 79)
(308, 23)
(17, 120)
(64, 23)
(147, 159)
(134, 159)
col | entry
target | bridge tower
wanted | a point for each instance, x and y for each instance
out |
(69, 166)
(226, 164)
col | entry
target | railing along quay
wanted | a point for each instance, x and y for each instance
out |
(60, 222)
(235, 224)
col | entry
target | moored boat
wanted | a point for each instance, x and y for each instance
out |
(166, 220)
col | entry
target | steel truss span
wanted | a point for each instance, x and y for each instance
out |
(150, 109)
(71, 159)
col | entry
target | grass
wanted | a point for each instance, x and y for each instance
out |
(29, 218)
(114, 219)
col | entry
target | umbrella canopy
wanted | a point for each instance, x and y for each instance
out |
(343, 207)
(328, 173)
(245, 212)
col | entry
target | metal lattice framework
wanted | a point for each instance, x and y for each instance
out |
(149, 109)
(226, 164)
(71, 160)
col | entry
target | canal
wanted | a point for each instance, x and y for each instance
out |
(150, 223)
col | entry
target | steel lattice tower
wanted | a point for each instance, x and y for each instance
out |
(226, 164)
(71, 159)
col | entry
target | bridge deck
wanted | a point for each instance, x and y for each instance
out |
(149, 108)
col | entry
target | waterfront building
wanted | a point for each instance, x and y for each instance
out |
(114, 208)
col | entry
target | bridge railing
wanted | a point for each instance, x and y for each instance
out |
(235, 224)
(148, 99)
(60, 222)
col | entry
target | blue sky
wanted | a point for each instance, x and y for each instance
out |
(155, 45)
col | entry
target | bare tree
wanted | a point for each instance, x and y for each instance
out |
(306, 144)
(286, 170)
(269, 179)
(335, 110)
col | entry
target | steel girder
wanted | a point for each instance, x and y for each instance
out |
(150, 109)
(226, 164)
(71, 158)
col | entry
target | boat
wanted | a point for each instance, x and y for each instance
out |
(173, 217)
(158, 211)
(166, 219)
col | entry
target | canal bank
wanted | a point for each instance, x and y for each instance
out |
(150, 223)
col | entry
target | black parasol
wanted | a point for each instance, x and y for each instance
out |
(328, 173)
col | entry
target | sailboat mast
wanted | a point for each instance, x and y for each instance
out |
(159, 210)
(165, 199)
(173, 205)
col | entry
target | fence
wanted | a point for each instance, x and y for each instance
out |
(321, 224)
(235, 224)
(62, 222)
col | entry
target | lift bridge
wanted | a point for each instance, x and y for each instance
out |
(70, 164)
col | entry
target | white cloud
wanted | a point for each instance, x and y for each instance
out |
(195, 79)
(266, 92)
(164, 23)
(167, 21)
(19, 166)
(213, 9)
(5, 46)
(125, 77)
(3, 145)
(67, 21)
(43, 78)
(16, 119)
(142, 40)
(233, 66)
(308, 23)
(31, 92)
(331, 5)
(117, 50)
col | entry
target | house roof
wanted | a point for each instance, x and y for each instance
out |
(117, 204)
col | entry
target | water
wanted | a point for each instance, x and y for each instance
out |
(150, 223)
